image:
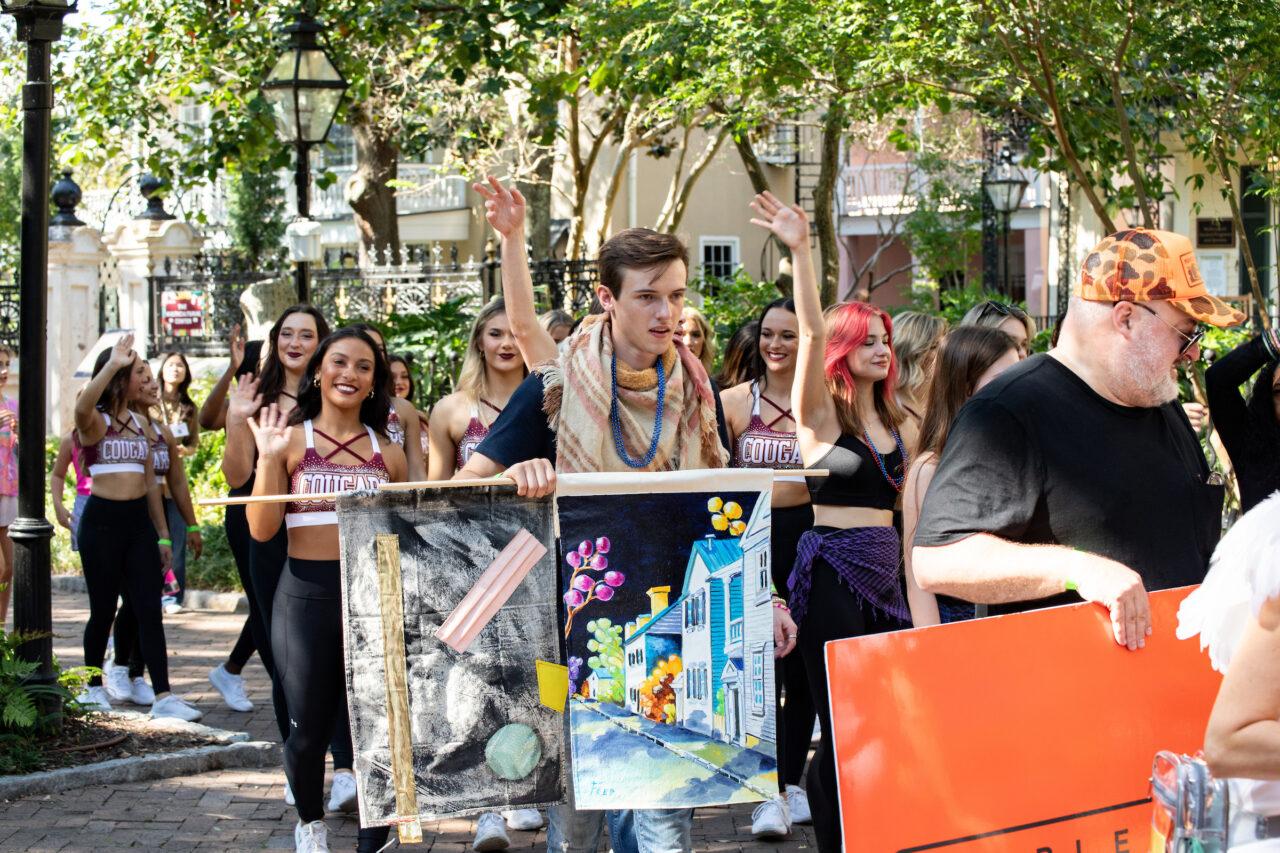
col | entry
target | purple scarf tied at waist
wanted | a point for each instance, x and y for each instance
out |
(865, 559)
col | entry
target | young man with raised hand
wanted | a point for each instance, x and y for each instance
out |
(625, 396)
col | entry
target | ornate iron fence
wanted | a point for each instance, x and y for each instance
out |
(421, 281)
(9, 311)
(570, 285)
(194, 302)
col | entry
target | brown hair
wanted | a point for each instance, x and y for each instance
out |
(638, 249)
(963, 356)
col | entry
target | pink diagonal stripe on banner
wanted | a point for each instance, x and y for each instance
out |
(491, 591)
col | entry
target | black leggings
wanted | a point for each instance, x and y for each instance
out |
(306, 636)
(795, 718)
(266, 563)
(119, 553)
(834, 613)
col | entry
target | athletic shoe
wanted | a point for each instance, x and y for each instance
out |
(798, 803)
(491, 833)
(342, 797)
(523, 820)
(288, 795)
(95, 699)
(311, 837)
(771, 821)
(116, 682)
(169, 604)
(173, 706)
(231, 687)
(140, 693)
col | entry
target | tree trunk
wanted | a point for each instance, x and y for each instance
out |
(760, 183)
(700, 165)
(372, 201)
(1245, 251)
(537, 193)
(833, 127)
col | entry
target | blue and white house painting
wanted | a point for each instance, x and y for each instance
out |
(669, 635)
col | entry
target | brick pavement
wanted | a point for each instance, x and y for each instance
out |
(243, 810)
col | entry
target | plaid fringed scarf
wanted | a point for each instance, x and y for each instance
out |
(576, 399)
(866, 560)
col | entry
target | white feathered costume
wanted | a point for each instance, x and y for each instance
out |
(1243, 574)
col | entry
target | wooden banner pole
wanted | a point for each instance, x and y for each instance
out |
(390, 591)
(429, 484)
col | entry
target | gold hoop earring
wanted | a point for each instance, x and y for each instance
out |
(370, 395)
(316, 381)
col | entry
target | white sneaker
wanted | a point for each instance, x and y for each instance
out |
(798, 803)
(342, 797)
(523, 820)
(140, 693)
(116, 682)
(95, 699)
(173, 706)
(771, 820)
(231, 687)
(311, 837)
(288, 795)
(491, 833)
(169, 604)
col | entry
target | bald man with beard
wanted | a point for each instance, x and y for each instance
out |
(1076, 475)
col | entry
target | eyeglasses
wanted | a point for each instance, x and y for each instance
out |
(1004, 310)
(1191, 339)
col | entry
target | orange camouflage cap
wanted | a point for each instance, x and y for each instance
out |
(1141, 265)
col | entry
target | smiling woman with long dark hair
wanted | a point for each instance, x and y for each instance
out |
(333, 436)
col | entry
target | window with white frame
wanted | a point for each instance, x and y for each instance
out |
(720, 256)
(757, 681)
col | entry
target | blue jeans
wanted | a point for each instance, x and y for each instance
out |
(630, 831)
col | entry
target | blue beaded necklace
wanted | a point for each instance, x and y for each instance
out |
(895, 482)
(616, 422)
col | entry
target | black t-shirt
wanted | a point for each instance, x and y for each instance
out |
(1039, 457)
(522, 433)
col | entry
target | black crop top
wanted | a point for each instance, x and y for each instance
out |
(855, 478)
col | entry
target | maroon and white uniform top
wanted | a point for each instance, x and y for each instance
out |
(761, 446)
(475, 433)
(395, 429)
(159, 455)
(122, 450)
(317, 474)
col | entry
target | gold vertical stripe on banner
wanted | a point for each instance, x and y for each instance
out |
(390, 591)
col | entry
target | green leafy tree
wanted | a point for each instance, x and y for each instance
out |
(605, 646)
(256, 212)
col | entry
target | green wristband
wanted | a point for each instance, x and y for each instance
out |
(164, 542)
(1070, 585)
(193, 528)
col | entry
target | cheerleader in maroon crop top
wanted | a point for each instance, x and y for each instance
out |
(491, 371)
(122, 521)
(332, 446)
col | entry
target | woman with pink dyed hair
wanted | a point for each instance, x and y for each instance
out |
(846, 581)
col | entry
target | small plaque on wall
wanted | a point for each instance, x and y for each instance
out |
(1215, 234)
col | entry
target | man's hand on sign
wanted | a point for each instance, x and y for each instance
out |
(534, 478)
(1120, 590)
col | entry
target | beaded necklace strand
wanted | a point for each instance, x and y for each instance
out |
(616, 421)
(895, 482)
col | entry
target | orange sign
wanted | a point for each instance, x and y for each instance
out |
(1032, 733)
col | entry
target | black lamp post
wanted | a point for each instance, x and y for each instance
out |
(1005, 185)
(39, 24)
(305, 90)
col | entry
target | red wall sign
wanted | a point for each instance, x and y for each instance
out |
(182, 313)
(1032, 733)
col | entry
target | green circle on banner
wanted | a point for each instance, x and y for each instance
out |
(513, 751)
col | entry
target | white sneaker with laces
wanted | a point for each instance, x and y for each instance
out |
(173, 706)
(523, 820)
(288, 795)
(311, 837)
(95, 699)
(115, 680)
(342, 797)
(170, 605)
(491, 833)
(231, 687)
(771, 820)
(798, 803)
(140, 693)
